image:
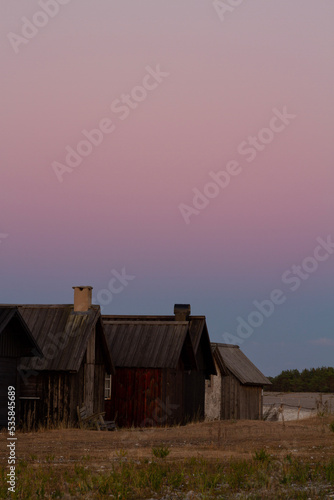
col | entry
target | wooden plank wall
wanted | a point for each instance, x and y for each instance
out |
(99, 381)
(250, 397)
(52, 408)
(172, 400)
(77, 394)
(99, 376)
(135, 396)
(89, 373)
(8, 377)
(240, 401)
(59, 395)
(194, 393)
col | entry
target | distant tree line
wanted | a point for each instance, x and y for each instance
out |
(313, 380)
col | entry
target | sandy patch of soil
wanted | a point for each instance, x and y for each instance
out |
(295, 406)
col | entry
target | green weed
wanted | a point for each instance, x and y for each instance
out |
(161, 451)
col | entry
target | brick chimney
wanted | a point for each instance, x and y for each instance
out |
(182, 312)
(82, 298)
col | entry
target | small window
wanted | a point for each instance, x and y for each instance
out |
(107, 387)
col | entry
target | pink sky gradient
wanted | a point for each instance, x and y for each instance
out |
(120, 206)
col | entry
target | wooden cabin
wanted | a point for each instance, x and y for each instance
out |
(16, 340)
(75, 361)
(161, 365)
(236, 392)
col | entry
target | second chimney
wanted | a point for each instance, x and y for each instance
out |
(82, 298)
(182, 312)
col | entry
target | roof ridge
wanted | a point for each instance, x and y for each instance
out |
(226, 345)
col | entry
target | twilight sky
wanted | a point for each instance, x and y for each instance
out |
(174, 151)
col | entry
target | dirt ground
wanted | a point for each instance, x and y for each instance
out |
(211, 440)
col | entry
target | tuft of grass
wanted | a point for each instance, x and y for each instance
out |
(331, 426)
(261, 455)
(329, 471)
(161, 451)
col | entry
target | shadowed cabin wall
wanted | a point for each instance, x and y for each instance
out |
(134, 396)
(194, 389)
(13, 345)
(240, 401)
(146, 397)
(89, 368)
(56, 395)
(99, 376)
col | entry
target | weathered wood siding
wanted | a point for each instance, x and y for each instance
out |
(194, 388)
(8, 377)
(50, 404)
(99, 377)
(194, 391)
(13, 345)
(135, 396)
(172, 402)
(99, 380)
(146, 397)
(56, 397)
(240, 401)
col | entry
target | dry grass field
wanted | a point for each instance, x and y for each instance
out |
(226, 459)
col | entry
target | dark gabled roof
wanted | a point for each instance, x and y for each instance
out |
(219, 360)
(153, 325)
(7, 314)
(240, 366)
(196, 325)
(137, 343)
(200, 336)
(63, 335)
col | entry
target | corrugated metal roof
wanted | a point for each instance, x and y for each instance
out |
(62, 335)
(7, 313)
(146, 344)
(241, 367)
